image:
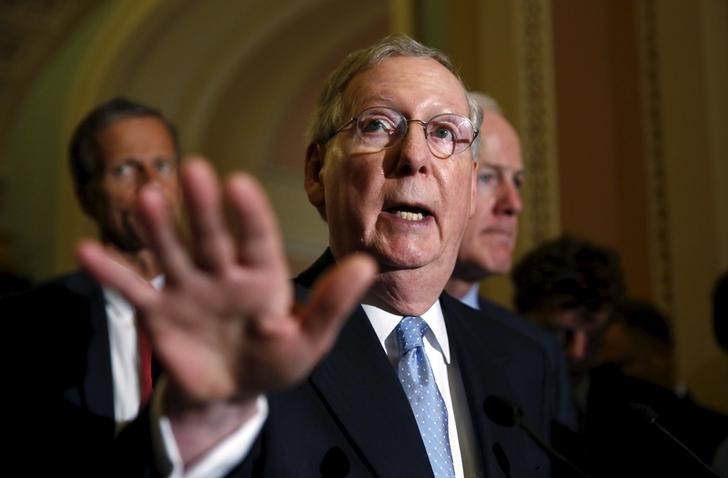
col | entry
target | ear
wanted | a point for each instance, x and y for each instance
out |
(83, 197)
(473, 189)
(312, 181)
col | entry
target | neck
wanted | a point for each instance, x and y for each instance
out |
(142, 261)
(458, 287)
(405, 292)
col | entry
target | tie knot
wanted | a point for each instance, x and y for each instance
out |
(410, 331)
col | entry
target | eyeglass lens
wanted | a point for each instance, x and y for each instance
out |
(380, 128)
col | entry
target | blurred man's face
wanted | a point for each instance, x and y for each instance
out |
(491, 233)
(133, 152)
(637, 354)
(403, 205)
(580, 332)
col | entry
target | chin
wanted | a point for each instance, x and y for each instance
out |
(404, 258)
(498, 267)
(129, 243)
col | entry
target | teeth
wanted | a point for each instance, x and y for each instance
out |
(410, 216)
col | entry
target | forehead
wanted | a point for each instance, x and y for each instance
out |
(500, 145)
(134, 135)
(413, 85)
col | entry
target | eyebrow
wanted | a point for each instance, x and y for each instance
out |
(486, 164)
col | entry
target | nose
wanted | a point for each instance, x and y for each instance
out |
(148, 174)
(414, 153)
(509, 199)
(576, 348)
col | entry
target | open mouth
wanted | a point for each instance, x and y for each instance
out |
(409, 213)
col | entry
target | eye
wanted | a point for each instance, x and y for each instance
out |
(486, 177)
(123, 170)
(164, 165)
(374, 124)
(518, 181)
(443, 132)
(448, 128)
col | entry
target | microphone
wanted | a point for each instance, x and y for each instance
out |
(507, 414)
(502, 459)
(334, 464)
(649, 416)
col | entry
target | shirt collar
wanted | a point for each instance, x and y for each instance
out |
(384, 324)
(471, 297)
(118, 303)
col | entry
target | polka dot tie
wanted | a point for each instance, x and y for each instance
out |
(427, 404)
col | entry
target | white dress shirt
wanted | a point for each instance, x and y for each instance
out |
(437, 348)
(472, 297)
(124, 354)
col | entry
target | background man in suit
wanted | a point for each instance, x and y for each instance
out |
(260, 382)
(90, 368)
(637, 366)
(490, 238)
(569, 287)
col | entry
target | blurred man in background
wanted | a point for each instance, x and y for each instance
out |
(88, 369)
(490, 239)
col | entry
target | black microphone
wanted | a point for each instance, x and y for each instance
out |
(507, 414)
(649, 416)
(334, 464)
(502, 459)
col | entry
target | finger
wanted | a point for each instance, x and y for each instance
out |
(212, 244)
(258, 238)
(162, 235)
(335, 294)
(97, 262)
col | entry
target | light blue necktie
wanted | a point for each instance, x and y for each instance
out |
(427, 404)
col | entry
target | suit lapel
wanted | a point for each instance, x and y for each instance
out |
(485, 369)
(360, 387)
(362, 390)
(97, 385)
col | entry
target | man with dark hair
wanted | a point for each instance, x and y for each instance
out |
(265, 378)
(637, 366)
(89, 369)
(570, 286)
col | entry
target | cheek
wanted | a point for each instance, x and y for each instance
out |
(119, 191)
(355, 189)
(462, 201)
(171, 186)
(484, 203)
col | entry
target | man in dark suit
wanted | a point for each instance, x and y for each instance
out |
(259, 380)
(490, 238)
(638, 366)
(88, 369)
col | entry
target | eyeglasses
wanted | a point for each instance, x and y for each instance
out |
(379, 128)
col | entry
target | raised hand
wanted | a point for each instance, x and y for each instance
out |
(225, 326)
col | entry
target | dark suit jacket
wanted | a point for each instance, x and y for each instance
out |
(60, 329)
(351, 417)
(564, 411)
(624, 443)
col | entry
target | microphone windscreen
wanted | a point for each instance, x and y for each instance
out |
(335, 464)
(501, 411)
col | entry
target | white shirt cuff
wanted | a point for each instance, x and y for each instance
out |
(222, 458)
